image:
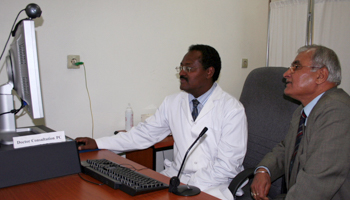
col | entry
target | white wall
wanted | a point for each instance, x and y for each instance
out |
(130, 49)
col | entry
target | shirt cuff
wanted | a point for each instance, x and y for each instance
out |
(268, 171)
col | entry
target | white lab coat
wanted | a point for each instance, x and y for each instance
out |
(218, 155)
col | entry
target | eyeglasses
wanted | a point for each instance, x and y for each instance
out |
(185, 68)
(296, 66)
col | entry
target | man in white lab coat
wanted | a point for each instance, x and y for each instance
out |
(218, 156)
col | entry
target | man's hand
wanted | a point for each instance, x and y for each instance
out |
(261, 185)
(89, 143)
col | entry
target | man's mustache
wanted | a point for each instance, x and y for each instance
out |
(182, 77)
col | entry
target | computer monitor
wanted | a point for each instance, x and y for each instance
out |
(24, 80)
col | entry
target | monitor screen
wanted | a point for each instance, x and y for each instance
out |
(24, 80)
(25, 69)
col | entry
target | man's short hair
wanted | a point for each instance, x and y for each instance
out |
(325, 57)
(210, 58)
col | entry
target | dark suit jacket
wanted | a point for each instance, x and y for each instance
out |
(323, 157)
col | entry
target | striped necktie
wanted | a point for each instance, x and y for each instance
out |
(195, 110)
(297, 141)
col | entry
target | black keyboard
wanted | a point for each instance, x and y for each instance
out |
(120, 177)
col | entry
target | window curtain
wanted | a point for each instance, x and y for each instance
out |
(287, 30)
(288, 23)
(332, 29)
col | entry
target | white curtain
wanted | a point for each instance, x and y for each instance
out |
(332, 29)
(287, 30)
(288, 20)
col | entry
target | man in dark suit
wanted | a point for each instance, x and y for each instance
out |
(315, 154)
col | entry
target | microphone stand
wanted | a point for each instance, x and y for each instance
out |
(185, 190)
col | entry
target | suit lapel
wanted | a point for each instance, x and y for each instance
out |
(290, 148)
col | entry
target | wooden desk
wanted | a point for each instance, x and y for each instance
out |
(73, 187)
(147, 157)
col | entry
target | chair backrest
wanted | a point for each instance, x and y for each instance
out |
(268, 112)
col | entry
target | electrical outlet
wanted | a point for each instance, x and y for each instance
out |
(71, 60)
(244, 63)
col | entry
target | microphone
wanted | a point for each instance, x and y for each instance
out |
(185, 190)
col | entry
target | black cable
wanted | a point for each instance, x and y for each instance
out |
(142, 169)
(90, 181)
(22, 106)
(12, 111)
(10, 33)
(15, 111)
(132, 167)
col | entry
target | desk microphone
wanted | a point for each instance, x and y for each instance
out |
(185, 190)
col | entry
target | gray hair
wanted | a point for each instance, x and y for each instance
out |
(325, 57)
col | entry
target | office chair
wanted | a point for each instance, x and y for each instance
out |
(268, 112)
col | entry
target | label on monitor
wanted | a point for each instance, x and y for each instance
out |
(38, 139)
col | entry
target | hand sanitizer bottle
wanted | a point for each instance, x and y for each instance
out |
(129, 118)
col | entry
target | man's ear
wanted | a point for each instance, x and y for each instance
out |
(322, 75)
(210, 72)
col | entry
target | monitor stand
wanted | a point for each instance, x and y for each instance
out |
(7, 120)
(8, 128)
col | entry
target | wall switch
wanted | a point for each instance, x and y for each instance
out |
(71, 60)
(244, 63)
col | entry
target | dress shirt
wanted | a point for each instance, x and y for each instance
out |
(202, 99)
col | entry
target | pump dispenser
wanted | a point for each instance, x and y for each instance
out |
(129, 118)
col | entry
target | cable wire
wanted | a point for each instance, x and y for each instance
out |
(15, 111)
(88, 93)
(89, 181)
(10, 33)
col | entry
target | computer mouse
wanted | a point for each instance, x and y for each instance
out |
(80, 144)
